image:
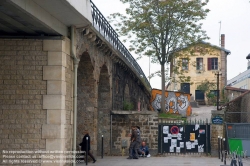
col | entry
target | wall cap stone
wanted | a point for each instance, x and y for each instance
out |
(123, 112)
(216, 112)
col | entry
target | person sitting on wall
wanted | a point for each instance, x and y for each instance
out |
(144, 150)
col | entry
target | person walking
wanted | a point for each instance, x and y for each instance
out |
(138, 140)
(83, 144)
(133, 144)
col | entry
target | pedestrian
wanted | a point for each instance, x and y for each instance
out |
(84, 143)
(144, 150)
(138, 140)
(133, 144)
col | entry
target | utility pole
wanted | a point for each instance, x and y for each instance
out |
(219, 34)
(218, 88)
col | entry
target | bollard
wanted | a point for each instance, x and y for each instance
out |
(221, 149)
(102, 146)
(225, 151)
(219, 146)
(87, 150)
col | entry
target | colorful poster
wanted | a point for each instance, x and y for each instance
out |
(192, 136)
(201, 131)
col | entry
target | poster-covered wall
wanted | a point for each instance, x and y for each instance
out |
(176, 102)
(192, 138)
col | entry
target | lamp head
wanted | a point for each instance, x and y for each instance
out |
(248, 57)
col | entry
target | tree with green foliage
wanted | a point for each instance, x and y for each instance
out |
(206, 87)
(158, 28)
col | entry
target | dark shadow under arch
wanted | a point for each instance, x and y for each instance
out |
(104, 107)
(85, 97)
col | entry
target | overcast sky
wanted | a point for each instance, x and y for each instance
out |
(235, 24)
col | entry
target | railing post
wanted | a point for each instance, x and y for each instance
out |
(219, 147)
(225, 151)
(87, 150)
(221, 144)
(102, 146)
(206, 139)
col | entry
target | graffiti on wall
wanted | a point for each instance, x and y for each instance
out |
(176, 102)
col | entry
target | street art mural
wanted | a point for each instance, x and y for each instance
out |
(176, 102)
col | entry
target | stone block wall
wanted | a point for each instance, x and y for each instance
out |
(58, 131)
(121, 128)
(21, 94)
(35, 95)
(216, 130)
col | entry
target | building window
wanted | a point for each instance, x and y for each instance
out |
(184, 64)
(212, 64)
(243, 87)
(199, 63)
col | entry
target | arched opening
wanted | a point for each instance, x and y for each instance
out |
(85, 99)
(104, 107)
(126, 93)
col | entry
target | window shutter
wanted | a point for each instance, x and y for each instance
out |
(209, 64)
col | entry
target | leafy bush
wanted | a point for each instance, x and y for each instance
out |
(128, 105)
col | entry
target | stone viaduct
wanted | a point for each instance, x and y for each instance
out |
(61, 65)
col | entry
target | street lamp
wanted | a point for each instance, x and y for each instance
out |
(248, 58)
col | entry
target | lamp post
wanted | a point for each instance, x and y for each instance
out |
(248, 68)
(218, 88)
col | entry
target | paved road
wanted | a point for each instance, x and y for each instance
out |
(201, 113)
(159, 161)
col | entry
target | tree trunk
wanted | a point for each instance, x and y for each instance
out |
(163, 109)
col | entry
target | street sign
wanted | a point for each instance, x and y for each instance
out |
(217, 120)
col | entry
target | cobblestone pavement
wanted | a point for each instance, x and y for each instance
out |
(160, 161)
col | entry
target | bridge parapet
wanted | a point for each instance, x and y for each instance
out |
(105, 29)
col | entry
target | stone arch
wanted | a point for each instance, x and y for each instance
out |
(86, 97)
(104, 107)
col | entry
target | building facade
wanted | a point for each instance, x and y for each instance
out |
(197, 63)
(242, 80)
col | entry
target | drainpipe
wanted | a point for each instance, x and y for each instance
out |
(76, 61)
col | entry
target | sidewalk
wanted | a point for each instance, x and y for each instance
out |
(160, 161)
(201, 113)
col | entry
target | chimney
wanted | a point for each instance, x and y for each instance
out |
(222, 40)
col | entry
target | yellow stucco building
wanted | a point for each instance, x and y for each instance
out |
(198, 62)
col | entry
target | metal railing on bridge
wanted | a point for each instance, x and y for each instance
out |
(105, 29)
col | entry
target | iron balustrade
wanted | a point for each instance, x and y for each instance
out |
(105, 29)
